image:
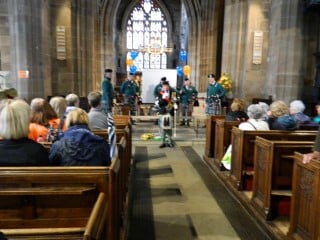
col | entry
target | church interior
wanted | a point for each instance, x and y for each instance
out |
(266, 50)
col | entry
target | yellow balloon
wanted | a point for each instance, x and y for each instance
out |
(129, 62)
(186, 70)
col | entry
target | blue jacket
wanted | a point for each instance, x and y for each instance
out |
(78, 146)
(285, 122)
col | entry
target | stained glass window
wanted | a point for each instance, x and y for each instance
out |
(147, 34)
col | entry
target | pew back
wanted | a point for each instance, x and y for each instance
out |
(59, 197)
(305, 207)
(273, 167)
(243, 150)
(222, 138)
(92, 228)
(210, 134)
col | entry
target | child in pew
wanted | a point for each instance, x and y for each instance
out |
(78, 146)
(16, 149)
(255, 122)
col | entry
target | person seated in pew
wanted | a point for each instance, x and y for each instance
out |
(78, 146)
(102, 120)
(44, 124)
(16, 149)
(279, 117)
(265, 108)
(315, 155)
(59, 105)
(255, 122)
(297, 108)
(97, 118)
(316, 119)
(73, 102)
(237, 112)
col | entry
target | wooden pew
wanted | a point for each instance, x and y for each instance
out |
(305, 201)
(210, 135)
(222, 139)
(121, 122)
(273, 167)
(63, 199)
(308, 126)
(94, 227)
(126, 158)
(243, 151)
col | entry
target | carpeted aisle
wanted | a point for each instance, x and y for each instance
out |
(141, 219)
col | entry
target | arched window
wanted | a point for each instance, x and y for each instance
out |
(147, 34)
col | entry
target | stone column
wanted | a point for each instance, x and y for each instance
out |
(286, 54)
(29, 47)
(84, 25)
(210, 45)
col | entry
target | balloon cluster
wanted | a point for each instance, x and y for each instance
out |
(130, 61)
(225, 81)
(185, 70)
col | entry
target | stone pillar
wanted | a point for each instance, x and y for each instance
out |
(84, 25)
(29, 47)
(286, 54)
(210, 45)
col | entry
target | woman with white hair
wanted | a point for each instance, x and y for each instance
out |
(256, 119)
(297, 108)
(16, 149)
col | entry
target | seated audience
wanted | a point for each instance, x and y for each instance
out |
(78, 146)
(279, 117)
(16, 149)
(297, 108)
(97, 118)
(102, 120)
(43, 120)
(265, 108)
(59, 105)
(237, 112)
(255, 122)
(73, 102)
(316, 119)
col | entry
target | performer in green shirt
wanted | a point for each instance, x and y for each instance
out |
(215, 93)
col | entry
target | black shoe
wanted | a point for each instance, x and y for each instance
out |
(182, 124)
(162, 145)
(170, 145)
